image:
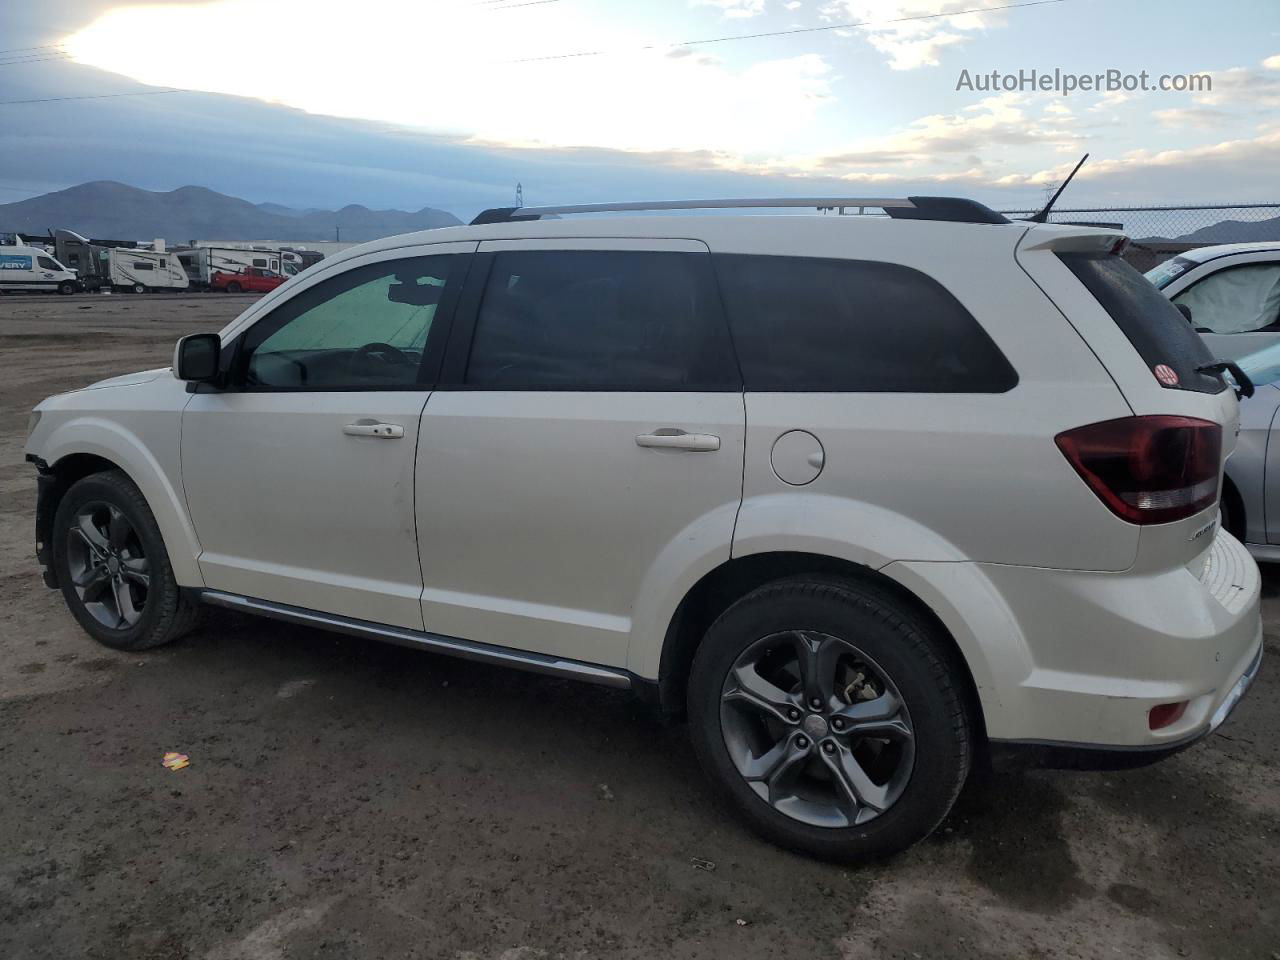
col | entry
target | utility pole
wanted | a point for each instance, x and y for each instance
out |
(337, 233)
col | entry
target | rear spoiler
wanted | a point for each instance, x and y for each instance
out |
(1062, 238)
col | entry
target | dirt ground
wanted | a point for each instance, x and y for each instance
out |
(347, 799)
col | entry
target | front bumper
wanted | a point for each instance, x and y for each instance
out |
(1057, 755)
(47, 494)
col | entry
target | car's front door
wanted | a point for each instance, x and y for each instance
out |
(299, 475)
(587, 433)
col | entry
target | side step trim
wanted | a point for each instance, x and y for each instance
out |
(450, 646)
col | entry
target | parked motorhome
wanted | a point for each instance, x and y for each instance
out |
(202, 263)
(33, 268)
(144, 270)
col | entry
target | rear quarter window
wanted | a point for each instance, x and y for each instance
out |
(854, 326)
(1155, 327)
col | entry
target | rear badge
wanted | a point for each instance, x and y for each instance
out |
(1166, 375)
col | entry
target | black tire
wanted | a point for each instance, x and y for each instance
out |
(138, 288)
(233, 287)
(905, 646)
(166, 613)
(66, 288)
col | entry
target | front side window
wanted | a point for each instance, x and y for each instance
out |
(600, 320)
(1235, 300)
(852, 326)
(363, 329)
(47, 264)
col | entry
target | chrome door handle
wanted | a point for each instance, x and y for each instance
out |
(670, 438)
(387, 431)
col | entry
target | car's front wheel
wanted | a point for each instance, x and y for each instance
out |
(829, 715)
(113, 568)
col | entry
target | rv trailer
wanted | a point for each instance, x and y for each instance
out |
(202, 263)
(144, 270)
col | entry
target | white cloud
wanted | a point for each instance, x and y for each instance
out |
(920, 42)
(734, 9)
(453, 67)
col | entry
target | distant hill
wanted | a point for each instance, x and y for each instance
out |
(1235, 231)
(107, 210)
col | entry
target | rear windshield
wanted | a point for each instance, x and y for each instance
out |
(1155, 327)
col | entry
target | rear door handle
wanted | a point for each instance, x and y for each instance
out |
(387, 431)
(670, 438)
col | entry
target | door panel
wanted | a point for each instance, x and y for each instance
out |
(290, 507)
(590, 416)
(539, 515)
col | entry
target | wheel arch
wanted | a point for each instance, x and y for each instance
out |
(81, 447)
(720, 588)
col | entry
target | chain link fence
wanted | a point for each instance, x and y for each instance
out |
(1159, 233)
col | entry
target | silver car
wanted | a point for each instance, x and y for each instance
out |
(1251, 490)
(1232, 291)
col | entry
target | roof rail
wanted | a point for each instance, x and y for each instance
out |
(952, 209)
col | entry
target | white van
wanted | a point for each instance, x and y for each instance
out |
(30, 268)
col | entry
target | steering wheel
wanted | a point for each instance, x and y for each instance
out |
(385, 352)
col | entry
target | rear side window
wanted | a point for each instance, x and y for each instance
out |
(600, 320)
(853, 326)
(1155, 327)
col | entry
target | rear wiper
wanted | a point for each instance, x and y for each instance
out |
(1243, 385)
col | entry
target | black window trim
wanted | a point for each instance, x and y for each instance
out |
(432, 351)
(457, 356)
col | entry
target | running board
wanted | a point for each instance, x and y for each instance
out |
(449, 646)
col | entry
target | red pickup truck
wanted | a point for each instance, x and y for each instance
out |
(253, 278)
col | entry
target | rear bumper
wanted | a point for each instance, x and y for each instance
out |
(1047, 754)
(1066, 661)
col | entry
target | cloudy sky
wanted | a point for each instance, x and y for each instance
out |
(448, 103)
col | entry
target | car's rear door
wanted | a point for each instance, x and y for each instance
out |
(589, 420)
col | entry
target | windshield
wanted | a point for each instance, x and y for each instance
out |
(1169, 271)
(1262, 366)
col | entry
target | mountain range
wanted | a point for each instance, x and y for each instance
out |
(104, 209)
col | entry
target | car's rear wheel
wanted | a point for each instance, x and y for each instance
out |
(139, 288)
(233, 287)
(113, 568)
(829, 715)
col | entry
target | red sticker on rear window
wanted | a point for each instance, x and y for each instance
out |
(1166, 374)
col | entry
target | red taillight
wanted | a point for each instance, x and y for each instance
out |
(1152, 469)
(1166, 714)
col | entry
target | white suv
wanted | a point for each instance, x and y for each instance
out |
(872, 498)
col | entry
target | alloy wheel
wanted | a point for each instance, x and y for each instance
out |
(817, 729)
(108, 566)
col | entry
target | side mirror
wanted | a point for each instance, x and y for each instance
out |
(196, 358)
(1185, 311)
